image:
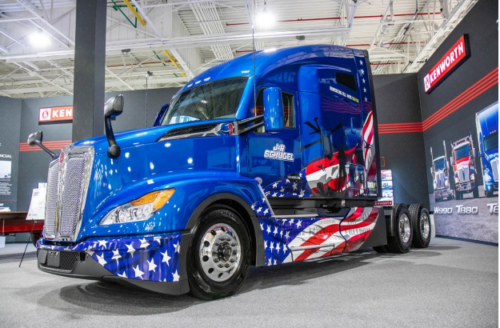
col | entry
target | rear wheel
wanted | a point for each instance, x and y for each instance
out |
(219, 255)
(490, 193)
(403, 234)
(421, 225)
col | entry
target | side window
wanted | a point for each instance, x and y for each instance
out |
(346, 80)
(288, 110)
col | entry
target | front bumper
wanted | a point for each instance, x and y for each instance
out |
(443, 193)
(155, 263)
(466, 186)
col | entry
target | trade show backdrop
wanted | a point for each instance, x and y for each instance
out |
(449, 128)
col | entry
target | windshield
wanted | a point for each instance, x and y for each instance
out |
(491, 142)
(462, 152)
(217, 99)
(439, 164)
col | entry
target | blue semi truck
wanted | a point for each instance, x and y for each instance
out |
(266, 159)
(487, 136)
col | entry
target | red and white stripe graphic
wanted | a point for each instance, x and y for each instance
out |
(329, 236)
(368, 134)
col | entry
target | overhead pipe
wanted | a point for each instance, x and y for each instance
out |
(357, 45)
(333, 18)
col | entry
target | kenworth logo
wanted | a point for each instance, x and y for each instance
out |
(54, 114)
(453, 58)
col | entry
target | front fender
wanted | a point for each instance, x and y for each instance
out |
(192, 189)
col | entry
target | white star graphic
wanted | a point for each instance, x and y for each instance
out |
(144, 243)
(284, 248)
(272, 246)
(268, 229)
(275, 194)
(299, 223)
(262, 225)
(259, 209)
(176, 276)
(363, 80)
(275, 185)
(287, 181)
(177, 247)
(362, 72)
(123, 275)
(287, 234)
(294, 186)
(361, 62)
(282, 189)
(291, 221)
(366, 99)
(102, 243)
(301, 193)
(265, 244)
(364, 89)
(269, 262)
(116, 255)
(266, 211)
(131, 249)
(275, 232)
(281, 233)
(253, 206)
(282, 195)
(138, 272)
(157, 239)
(90, 253)
(101, 260)
(151, 265)
(165, 258)
(278, 247)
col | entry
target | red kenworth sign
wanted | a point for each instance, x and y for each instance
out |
(55, 114)
(453, 58)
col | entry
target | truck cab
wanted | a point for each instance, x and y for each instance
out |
(464, 167)
(266, 159)
(487, 136)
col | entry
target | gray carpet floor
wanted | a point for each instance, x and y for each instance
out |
(450, 284)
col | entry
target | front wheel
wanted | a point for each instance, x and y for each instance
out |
(219, 255)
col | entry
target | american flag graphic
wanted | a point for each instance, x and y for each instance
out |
(369, 149)
(149, 258)
(307, 238)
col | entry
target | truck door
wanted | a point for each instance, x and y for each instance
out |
(272, 157)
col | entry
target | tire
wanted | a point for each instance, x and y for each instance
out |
(403, 234)
(221, 238)
(459, 195)
(490, 193)
(421, 226)
(475, 192)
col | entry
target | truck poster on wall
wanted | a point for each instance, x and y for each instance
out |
(465, 184)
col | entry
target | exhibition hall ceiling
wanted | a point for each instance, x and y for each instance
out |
(178, 39)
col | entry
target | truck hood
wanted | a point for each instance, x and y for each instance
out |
(138, 137)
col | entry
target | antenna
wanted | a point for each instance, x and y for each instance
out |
(148, 74)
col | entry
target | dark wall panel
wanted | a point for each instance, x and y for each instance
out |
(397, 101)
(481, 25)
(10, 124)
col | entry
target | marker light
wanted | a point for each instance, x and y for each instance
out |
(139, 209)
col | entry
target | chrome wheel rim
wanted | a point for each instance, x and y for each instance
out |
(425, 227)
(220, 252)
(404, 228)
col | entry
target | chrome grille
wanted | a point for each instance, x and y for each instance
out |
(51, 202)
(71, 199)
(494, 169)
(440, 180)
(464, 173)
(67, 185)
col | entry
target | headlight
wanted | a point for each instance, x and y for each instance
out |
(140, 209)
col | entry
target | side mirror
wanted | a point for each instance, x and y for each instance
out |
(161, 114)
(35, 139)
(113, 107)
(273, 110)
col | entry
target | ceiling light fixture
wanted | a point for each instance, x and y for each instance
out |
(39, 39)
(265, 19)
